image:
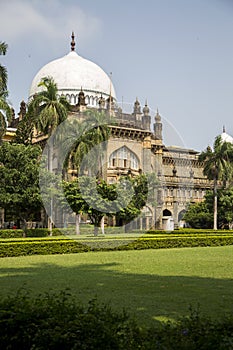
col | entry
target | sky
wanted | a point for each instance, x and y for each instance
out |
(176, 54)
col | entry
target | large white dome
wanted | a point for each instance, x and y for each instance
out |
(72, 73)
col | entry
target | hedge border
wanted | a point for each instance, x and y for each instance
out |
(11, 248)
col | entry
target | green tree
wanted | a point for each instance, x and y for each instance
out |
(75, 200)
(19, 180)
(3, 70)
(47, 110)
(225, 206)
(217, 166)
(5, 109)
(144, 192)
(24, 132)
(83, 142)
(198, 215)
(92, 196)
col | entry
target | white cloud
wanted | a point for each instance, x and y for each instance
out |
(51, 19)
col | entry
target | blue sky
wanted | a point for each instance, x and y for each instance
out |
(177, 54)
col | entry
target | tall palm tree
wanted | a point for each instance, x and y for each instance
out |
(78, 139)
(5, 109)
(217, 166)
(3, 70)
(80, 136)
(47, 111)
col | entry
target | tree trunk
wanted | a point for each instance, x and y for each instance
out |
(77, 224)
(50, 169)
(215, 205)
(50, 226)
(96, 230)
(102, 225)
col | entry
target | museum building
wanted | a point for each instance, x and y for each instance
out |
(136, 143)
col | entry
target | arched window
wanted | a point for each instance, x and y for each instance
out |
(72, 99)
(87, 100)
(124, 158)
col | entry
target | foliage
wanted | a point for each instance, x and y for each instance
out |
(40, 247)
(46, 109)
(46, 246)
(144, 187)
(225, 206)
(5, 109)
(19, 176)
(3, 71)
(82, 142)
(9, 233)
(92, 196)
(24, 132)
(217, 166)
(58, 321)
(199, 216)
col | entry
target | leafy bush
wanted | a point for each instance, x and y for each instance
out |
(40, 247)
(189, 231)
(53, 245)
(57, 321)
(37, 232)
(8, 233)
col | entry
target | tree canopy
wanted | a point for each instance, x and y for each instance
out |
(19, 180)
(5, 109)
(217, 166)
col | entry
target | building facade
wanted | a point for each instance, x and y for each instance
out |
(136, 143)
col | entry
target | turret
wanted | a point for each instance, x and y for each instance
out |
(137, 113)
(158, 126)
(81, 101)
(101, 103)
(146, 118)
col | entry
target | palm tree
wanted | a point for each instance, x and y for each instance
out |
(3, 71)
(47, 111)
(78, 139)
(5, 109)
(217, 166)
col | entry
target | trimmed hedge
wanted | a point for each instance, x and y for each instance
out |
(9, 233)
(37, 232)
(58, 321)
(188, 231)
(40, 247)
(53, 245)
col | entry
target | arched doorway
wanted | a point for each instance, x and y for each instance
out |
(181, 222)
(167, 220)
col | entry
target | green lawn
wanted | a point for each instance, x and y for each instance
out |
(152, 284)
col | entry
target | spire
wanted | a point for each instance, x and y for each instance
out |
(72, 42)
(146, 109)
(157, 116)
(137, 107)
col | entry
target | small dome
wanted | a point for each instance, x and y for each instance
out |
(146, 110)
(72, 72)
(226, 137)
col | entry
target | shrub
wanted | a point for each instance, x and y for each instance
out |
(40, 247)
(58, 321)
(9, 233)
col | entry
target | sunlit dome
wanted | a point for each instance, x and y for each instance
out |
(226, 137)
(73, 73)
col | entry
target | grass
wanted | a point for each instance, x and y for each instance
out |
(153, 285)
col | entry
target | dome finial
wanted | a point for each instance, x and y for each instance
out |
(72, 42)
